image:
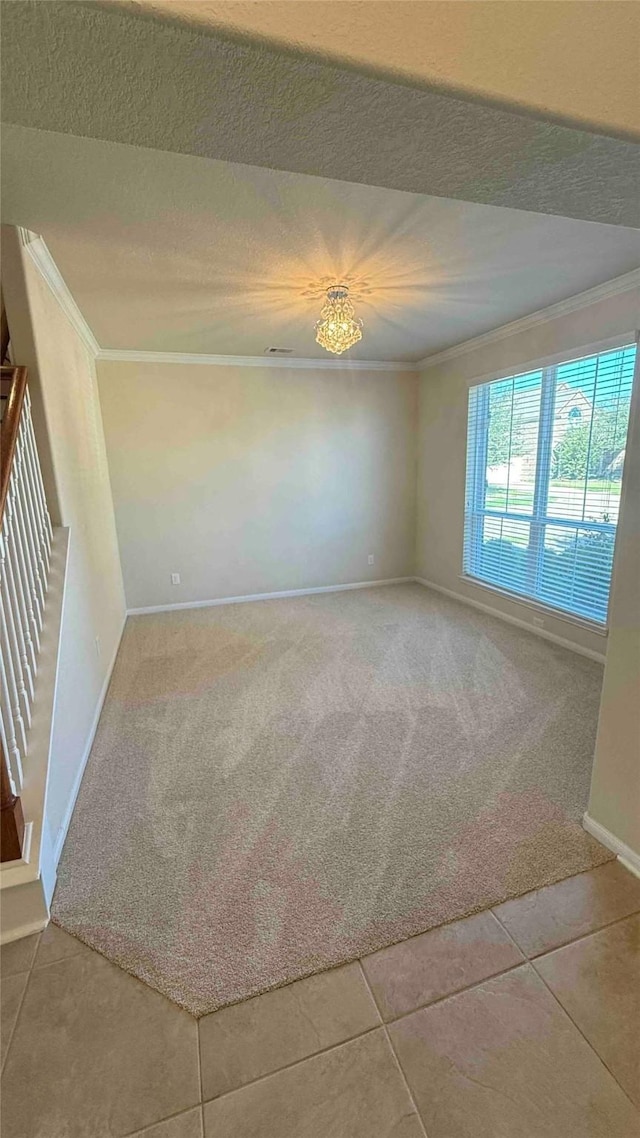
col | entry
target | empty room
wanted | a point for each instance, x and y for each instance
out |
(319, 565)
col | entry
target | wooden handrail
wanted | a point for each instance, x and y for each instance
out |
(16, 379)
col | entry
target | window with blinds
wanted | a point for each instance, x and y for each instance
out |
(545, 454)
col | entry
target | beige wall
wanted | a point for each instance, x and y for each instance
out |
(67, 413)
(454, 45)
(254, 479)
(615, 787)
(443, 436)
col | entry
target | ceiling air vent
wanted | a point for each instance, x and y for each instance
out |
(278, 351)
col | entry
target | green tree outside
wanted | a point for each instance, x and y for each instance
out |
(587, 450)
(505, 437)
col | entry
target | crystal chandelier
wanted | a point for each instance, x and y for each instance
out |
(337, 329)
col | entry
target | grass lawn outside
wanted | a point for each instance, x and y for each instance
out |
(566, 499)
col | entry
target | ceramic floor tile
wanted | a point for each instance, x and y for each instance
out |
(18, 956)
(95, 1054)
(56, 944)
(188, 1125)
(597, 980)
(352, 1091)
(254, 1038)
(11, 993)
(502, 1060)
(444, 960)
(557, 914)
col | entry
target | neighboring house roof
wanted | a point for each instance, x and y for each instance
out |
(567, 397)
(616, 463)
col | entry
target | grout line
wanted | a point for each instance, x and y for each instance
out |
(367, 985)
(199, 1060)
(457, 992)
(394, 1054)
(540, 956)
(15, 1022)
(69, 956)
(359, 1035)
(200, 1080)
(295, 1063)
(160, 1121)
(511, 938)
(29, 971)
(590, 1045)
(551, 884)
(565, 943)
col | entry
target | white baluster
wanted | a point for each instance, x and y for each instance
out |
(22, 574)
(22, 707)
(32, 508)
(13, 757)
(25, 556)
(37, 471)
(32, 469)
(33, 543)
(16, 592)
(14, 726)
(26, 538)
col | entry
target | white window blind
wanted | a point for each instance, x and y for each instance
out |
(545, 455)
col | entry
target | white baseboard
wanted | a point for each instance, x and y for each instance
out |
(629, 858)
(543, 632)
(269, 596)
(62, 832)
(25, 906)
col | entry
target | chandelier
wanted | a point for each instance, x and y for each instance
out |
(337, 329)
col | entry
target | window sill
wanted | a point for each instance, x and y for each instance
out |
(536, 606)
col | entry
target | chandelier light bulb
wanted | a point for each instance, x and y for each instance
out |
(338, 329)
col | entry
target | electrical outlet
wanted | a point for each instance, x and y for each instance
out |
(98, 647)
(538, 621)
(175, 578)
(370, 558)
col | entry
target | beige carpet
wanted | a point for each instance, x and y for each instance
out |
(282, 786)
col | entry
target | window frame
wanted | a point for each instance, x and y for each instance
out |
(475, 511)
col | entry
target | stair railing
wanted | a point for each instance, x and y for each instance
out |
(25, 550)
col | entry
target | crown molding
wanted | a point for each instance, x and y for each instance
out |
(37, 250)
(614, 287)
(279, 362)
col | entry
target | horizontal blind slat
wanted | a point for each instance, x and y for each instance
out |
(543, 480)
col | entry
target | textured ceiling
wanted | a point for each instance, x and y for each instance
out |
(575, 59)
(168, 252)
(108, 73)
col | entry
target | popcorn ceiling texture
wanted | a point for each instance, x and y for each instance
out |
(451, 46)
(279, 787)
(197, 255)
(105, 73)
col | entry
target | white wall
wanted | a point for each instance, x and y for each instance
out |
(615, 788)
(251, 479)
(442, 442)
(71, 440)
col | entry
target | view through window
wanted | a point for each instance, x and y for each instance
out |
(545, 456)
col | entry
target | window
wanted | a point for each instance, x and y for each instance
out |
(544, 468)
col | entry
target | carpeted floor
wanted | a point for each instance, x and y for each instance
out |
(282, 786)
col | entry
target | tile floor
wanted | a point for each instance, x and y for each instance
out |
(521, 1022)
